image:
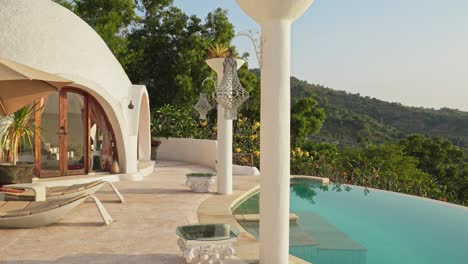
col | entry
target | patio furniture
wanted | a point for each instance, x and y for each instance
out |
(39, 192)
(211, 243)
(23, 214)
(199, 182)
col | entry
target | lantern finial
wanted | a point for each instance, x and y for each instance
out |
(203, 106)
(230, 94)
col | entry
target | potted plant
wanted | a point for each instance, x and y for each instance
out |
(218, 51)
(199, 182)
(17, 130)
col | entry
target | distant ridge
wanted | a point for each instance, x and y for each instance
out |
(354, 119)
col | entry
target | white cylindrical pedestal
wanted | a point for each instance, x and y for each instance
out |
(224, 148)
(224, 153)
(275, 143)
(275, 17)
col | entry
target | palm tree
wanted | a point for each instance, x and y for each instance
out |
(17, 129)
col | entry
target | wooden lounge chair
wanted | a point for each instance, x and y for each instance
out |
(25, 214)
(38, 192)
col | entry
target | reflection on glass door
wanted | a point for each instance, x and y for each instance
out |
(75, 134)
(102, 142)
(50, 143)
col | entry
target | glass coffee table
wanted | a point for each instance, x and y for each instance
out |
(211, 243)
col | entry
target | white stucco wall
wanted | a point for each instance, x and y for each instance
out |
(47, 36)
(197, 151)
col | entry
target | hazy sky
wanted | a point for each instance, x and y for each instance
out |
(409, 51)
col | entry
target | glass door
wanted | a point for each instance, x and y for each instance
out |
(73, 131)
(76, 137)
(101, 139)
(50, 138)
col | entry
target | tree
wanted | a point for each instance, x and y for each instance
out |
(306, 120)
(161, 46)
(387, 167)
(251, 83)
(168, 56)
(442, 160)
(65, 3)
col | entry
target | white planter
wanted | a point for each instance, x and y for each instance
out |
(200, 182)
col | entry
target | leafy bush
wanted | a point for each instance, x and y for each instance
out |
(18, 130)
(246, 141)
(170, 121)
(383, 167)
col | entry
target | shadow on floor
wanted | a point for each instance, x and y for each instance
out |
(98, 223)
(107, 258)
(154, 191)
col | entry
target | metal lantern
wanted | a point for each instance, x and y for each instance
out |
(229, 93)
(203, 106)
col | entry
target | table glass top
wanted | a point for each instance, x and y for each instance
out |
(210, 232)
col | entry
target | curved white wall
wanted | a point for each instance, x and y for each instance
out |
(47, 36)
(197, 151)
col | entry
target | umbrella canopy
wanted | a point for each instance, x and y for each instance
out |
(21, 85)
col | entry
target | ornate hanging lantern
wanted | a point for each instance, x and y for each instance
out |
(203, 106)
(230, 94)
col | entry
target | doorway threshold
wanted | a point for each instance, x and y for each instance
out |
(144, 169)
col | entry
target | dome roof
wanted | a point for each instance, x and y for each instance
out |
(47, 36)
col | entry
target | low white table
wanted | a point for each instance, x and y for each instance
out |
(203, 244)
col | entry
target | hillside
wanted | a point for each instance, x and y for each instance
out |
(354, 119)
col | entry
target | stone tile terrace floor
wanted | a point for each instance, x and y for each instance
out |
(143, 230)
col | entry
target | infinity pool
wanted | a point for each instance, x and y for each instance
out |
(348, 225)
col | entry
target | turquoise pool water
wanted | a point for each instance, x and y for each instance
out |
(352, 226)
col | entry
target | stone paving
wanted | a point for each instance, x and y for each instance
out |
(144, 226)
(143, 231)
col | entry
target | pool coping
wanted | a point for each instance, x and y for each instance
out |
(219, 209)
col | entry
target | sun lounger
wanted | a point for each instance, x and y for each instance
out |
(38, 192)
(24, 214)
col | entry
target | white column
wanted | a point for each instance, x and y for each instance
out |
(224, 147)
(224, 153)
(275, 143)
(275, 17)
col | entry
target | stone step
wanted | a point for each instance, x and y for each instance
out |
(256, 217)
(327, 235)
(331, 245)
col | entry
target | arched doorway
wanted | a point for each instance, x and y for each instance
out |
(76, 137)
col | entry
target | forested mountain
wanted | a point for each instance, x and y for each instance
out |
(354, 119)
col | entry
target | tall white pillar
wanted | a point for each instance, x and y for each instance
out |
(224, 153)
(224, 147)
(275, 18)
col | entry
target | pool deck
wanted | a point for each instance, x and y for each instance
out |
(144, 227)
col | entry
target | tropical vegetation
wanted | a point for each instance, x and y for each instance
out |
(17, 130)
(347, 137)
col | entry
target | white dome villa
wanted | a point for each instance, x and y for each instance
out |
(99, 118)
